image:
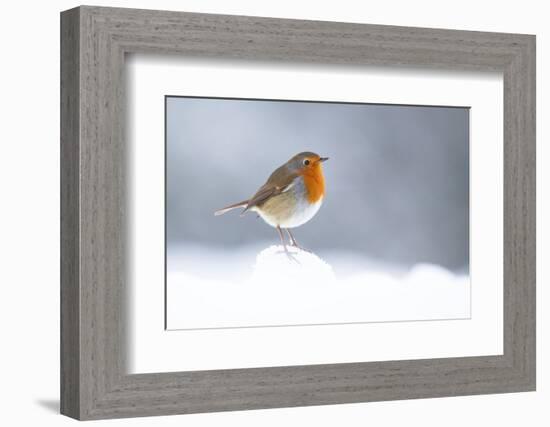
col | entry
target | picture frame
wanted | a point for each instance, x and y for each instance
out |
(94, 269)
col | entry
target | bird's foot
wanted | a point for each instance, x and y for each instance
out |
(297, 246)
(291, 256)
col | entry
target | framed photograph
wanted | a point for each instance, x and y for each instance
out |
(262, 213)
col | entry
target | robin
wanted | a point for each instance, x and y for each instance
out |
(291, 196)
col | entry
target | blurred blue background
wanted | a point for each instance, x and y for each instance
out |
(397, 179)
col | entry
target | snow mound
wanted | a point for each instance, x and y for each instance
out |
(299, 288)
(296, 267)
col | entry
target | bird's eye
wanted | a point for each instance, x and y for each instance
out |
(306, 162)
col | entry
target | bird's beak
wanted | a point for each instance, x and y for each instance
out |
(323, 159)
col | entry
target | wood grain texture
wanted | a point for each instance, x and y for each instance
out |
(70, 221)
(94, 272)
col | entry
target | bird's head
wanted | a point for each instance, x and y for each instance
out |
(306, 163)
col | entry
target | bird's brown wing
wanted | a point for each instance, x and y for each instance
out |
(279, 182)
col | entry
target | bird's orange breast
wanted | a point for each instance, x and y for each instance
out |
(314, 181)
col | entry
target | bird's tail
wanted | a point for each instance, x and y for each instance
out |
(221, 211)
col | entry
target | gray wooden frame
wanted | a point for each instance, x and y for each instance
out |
(94, 41)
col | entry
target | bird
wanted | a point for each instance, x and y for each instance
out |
(290, 197)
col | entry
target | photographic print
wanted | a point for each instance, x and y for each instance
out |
(291, 213)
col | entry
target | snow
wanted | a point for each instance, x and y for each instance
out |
(208, 288)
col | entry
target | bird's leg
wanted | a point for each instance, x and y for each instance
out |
(282, 239)
(288, 254)
(293, 241)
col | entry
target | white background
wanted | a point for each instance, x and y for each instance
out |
(29, 176)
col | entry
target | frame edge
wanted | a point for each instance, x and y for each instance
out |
(70, 395)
